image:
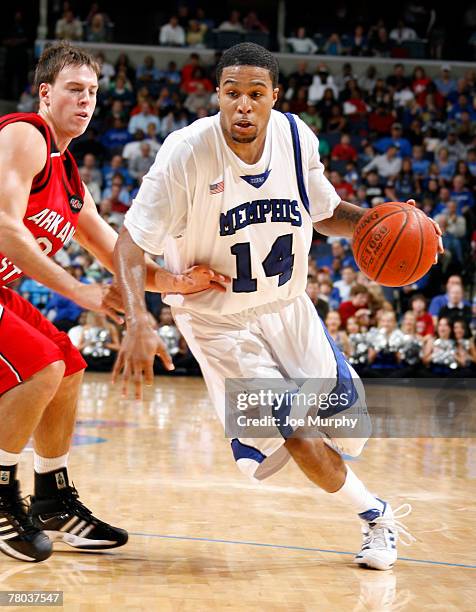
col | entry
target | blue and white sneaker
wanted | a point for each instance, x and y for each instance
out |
(381, 531)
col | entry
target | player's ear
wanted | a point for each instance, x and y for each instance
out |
(217, 89)
(44, 92)
(275, 95)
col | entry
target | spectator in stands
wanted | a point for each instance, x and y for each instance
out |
(439, 353)
(380, 45)
(69, 27)
(114, 203)
(420, 164)
(402, 33)
(374, 187)
(398, 77)
(198, 80)
(97, 30)
(344, 151)
(312, 290)
(344, 285)
(61, 311)
(461, 194)
(119, 90)
(442, 300)
(385, 342)
(465, 348)
(200, 98)
(116, 166)
(116, 137)
(98, 342)
(301, 43)
(333, 324)
(397, 140)
(140, 164)
(424, 320)
(381, 119)
(336, 122)
(456, 223)
(451, 244)
(93, 187)
(456, 307)
(359, 43)
(201, 17)
(107, 72)
(322, 81)
(311, 117)
(233, 23)
(387, 165)
(147, 74)
(252, 23)
(142, 119)
(420, 82)
(301, 76)
(196, 34)
(368, 80)
(359, 299)
(445, 84)
(90, 164)
(172, 34)
(406, 186)
(456, 149)
(333, 45)
(123, 65)
(34, 292)
(345, 190)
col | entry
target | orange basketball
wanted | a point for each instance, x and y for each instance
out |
(395, 244)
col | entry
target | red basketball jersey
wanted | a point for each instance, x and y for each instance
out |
(56, 198)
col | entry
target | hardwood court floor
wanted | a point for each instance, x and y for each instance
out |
(202, 537)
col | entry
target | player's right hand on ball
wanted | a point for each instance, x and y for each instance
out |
(136, 356)
(200, 278)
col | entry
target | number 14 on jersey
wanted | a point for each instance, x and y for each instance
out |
(279, 262)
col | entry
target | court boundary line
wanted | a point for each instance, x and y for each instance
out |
(288, 547)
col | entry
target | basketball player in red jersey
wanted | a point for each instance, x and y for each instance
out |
(43, 203)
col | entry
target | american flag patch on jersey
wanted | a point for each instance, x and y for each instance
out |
(217, 187)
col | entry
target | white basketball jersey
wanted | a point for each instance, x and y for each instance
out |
(251, 222)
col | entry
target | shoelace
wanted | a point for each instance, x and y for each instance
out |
(16, 508)
(70, 497)
(377, 531)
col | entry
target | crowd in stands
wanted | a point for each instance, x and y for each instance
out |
(382, 137)
(421, 33)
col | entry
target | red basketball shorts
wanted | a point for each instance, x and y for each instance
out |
(29, 342)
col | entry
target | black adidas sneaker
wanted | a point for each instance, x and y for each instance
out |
(56, 510)
(19, 538)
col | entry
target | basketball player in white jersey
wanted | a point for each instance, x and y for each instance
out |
(241, 192)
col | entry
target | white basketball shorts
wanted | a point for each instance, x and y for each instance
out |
(284, 340)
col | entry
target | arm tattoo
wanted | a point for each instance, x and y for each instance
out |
(353, 216)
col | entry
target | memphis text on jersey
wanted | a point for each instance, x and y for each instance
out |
(53, 224)
(259, 211)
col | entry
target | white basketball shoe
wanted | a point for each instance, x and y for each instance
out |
(381, 531)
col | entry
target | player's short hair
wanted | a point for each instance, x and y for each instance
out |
(249, 54)
(57, 56)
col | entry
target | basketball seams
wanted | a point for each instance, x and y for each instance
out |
(418, 261)
(393, 245)
(377, 221)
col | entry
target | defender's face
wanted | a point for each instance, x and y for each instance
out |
(71, 99)
(246, 97)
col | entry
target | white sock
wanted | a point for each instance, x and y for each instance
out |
(8, 459)
(49, 464)
(354, 493)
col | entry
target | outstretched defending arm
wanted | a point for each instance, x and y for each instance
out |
(140, 343)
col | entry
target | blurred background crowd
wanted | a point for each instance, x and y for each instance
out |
(385, 134)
